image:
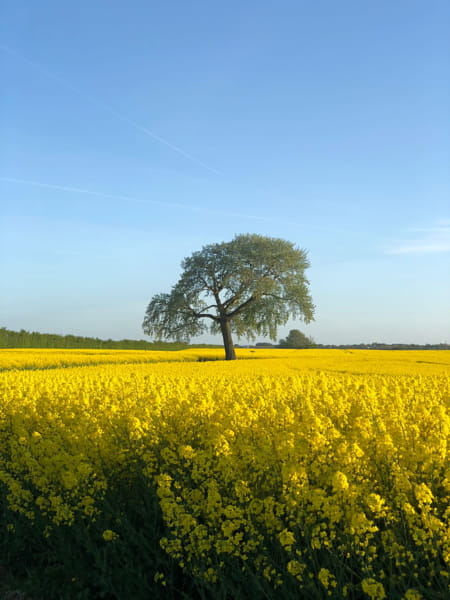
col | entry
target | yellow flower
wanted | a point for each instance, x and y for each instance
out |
(423, 494)
(327, 579)
(186, 452)
(109, 535)
(412, 595)
(286, 538)
(295, 568)
(373, 589)
(340, 482)
(159, 577)
(376, 503)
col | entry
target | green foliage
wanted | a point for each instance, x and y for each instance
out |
(26, 339)
(297, 339)
(76, 562)
(250, 285)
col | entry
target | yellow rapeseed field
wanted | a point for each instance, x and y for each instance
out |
(325, 472)
(400, 362)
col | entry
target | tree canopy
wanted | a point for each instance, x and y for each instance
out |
(248, 286)
(297, 339)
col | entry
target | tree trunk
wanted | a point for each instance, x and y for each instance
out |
(230, 354)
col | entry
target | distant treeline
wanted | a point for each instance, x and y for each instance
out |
(373, 346)
(381, 346)
(34, 339)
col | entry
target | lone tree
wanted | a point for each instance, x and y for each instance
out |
(297, 339)
(248, 286)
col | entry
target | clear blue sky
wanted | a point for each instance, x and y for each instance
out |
(134, 133)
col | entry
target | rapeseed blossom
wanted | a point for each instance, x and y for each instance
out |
(373, 589)
(301, 467)
(327, 579)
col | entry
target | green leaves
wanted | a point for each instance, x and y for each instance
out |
(170, 316)
(254, 282)
(297, 339)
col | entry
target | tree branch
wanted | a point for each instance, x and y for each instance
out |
(209, 288)
(230, 301)
(201, 315)
(240, 308)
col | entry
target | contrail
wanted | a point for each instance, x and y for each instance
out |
(215, 213)
(109, 109)
(66, 188)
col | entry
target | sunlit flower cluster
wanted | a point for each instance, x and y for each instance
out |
(299, 469)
